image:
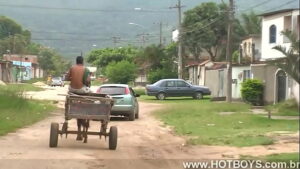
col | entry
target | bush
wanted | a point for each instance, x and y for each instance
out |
(121, 72)
(158, 74)
(252, 91)
(140, 91)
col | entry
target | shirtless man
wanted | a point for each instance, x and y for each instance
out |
(79, 77)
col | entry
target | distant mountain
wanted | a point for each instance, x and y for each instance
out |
(61, 25)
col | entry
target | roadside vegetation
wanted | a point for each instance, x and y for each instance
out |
(21, 87)
(286, 108)
(219, 123)
(34, 80)
(284, 157)
(17, 112)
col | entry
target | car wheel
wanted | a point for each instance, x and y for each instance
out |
(137, 113)
(131, 116)
(198, 95)
(161, 96)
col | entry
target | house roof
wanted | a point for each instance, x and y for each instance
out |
(278, 11)
(196, 63)
(252, 36)
(217, 65)
(5, 61)
(23, 58)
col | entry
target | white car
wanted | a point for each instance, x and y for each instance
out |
(57, 81)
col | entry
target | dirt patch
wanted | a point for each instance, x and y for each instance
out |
(144, 143)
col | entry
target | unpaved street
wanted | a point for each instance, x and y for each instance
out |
(144, 143)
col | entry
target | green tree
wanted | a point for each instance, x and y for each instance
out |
(291, 60)
(121, 72)
(15, 44)
(204, 28)
(8, 27)
(52, 63)
(251, 23)
(102, 57)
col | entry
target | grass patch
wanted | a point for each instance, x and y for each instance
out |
(31, 81)
(21, 87)
(17, 112)
(284, 157)
(286, 108)
(201, 119)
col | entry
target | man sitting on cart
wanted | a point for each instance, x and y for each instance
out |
(79, 77)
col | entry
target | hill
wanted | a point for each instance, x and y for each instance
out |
(72, 26)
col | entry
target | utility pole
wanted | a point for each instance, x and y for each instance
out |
(229, 50)
(160, 33)
(180, 65)
(115, 40)
(143, 38)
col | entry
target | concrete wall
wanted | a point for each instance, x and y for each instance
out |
(213, 82)
(295, 91)
(237, 76)
(266, 74)
(202, 75)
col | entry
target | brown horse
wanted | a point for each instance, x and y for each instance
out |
(85, 124)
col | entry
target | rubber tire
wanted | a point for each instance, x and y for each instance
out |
(137, 114)
(131, 116)
(161, 98)
(113, 138)
(198, 96)
(54, 135)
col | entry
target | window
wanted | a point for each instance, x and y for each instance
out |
(272, 35)
(163, 84)
(287, 26)
(170, 84)
(181, 84)
(246, 75)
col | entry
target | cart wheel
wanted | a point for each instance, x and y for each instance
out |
(113, 137)
(53, 135)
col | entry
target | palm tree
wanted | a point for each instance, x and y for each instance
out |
(251, 23)
(289, 63)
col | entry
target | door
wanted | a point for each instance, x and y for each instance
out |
(281, 86)
(170, 88)
(221, 83)
(183, 89)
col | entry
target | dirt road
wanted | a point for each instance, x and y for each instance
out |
(144, 143)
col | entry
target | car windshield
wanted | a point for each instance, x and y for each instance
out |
(157, 83)
(111, 90)
(56, 78)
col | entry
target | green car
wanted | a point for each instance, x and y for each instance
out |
(126, 103)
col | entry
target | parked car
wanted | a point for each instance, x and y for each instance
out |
(176, 88)
(57, 81)
(126, 103)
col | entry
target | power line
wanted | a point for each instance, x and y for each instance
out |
(255, 6)
(84, 9)
(280, 6)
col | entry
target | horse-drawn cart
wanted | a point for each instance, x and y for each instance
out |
(96, 107)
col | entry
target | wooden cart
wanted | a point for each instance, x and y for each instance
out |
(95, 107)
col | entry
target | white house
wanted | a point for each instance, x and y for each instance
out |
(251, 47)
(273, 23)
(278, 85)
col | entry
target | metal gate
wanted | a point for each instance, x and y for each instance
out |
(281, 86)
